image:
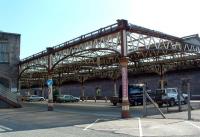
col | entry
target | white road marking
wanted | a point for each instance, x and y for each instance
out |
(195, 101)
(140, 127)
(192, 124)
(91, 124)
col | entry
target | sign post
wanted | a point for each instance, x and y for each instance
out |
(50, 81)
(50, 94)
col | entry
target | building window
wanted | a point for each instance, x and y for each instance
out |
(4, 52)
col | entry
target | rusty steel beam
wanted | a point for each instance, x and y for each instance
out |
(83, 38)
(149, 32)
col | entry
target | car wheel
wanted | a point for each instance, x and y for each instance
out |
(132, 104)
(160, 105)
(185, 100)
(114, 103)
(172, 102)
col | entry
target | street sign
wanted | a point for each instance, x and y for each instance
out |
(49, 82)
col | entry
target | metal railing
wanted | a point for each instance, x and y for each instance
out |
(7, 94)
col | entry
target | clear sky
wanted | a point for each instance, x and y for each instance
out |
(44, 23)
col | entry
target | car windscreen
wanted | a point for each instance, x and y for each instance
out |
(67, 97)
(135, 90)
(171, 91)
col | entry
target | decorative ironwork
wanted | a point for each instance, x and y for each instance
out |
(97, 54)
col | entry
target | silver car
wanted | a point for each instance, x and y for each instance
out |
(35, 98)
(68, 98)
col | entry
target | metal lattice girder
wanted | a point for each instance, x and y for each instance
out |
(158, 40)
(139, 43)
(97, 54)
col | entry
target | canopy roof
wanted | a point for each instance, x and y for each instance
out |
(97, 54)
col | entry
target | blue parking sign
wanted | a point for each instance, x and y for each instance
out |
(49, 82)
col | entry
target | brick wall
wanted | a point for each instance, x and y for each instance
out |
(107, 87)
(173, 80)
(9, 70)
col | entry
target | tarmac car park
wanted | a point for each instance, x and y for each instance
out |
(90, 118)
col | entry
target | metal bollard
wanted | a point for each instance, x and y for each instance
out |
(179, 101)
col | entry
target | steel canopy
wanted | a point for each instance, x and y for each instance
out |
(97, 55)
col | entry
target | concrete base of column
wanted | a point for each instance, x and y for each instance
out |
(125, 114)
(50, 108)
(125, 110)
(50, 105)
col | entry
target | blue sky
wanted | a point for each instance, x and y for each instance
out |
(44, 23)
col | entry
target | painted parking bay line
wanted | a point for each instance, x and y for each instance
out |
(192, 124)
(91, 124)
(140, 127)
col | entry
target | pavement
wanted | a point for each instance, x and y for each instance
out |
(89, 119)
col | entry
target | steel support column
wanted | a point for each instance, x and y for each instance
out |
(50, 87)
(29, 87)
(124, 71)
(161, 77)
(59, 83)
(188, 100)
(115, 88)
(125, 101)
(43, 88)
(82, 90)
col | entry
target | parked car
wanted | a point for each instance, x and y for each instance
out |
(170, 96)
(25, 98)
(67, 98)
(34, 98)
(135, 94)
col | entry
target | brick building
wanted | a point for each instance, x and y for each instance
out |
(9, 59)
